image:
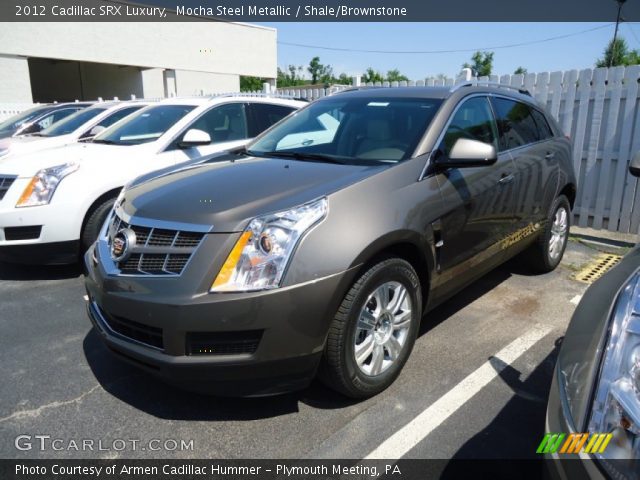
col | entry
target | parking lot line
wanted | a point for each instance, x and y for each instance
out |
(576, 300)
(417, 429)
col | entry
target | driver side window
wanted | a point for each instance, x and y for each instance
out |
(473, 120)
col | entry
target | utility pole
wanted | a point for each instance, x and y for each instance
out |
(615, 34)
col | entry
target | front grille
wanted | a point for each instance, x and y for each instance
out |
(157, 251)
(223, 343)
(5, 183)
(22, 233)
(135, 331)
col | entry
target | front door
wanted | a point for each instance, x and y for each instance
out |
(478, 200)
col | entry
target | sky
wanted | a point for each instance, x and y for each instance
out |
(573, 52)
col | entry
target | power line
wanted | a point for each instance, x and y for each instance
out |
(465, 50)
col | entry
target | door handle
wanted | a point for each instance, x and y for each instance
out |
(550, 156)
(506, 178)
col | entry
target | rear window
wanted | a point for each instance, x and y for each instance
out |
(544, 130)
(515, 123)
(265, 115)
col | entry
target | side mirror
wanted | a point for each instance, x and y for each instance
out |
(634, 166)
(471, 153)
(93, 132)
(194, 138)
(30, 128)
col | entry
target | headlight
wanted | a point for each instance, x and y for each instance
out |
(616, 405)
(259, 258)
(43, 185)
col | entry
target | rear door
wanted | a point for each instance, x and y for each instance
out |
(525, 134)
(479, 200)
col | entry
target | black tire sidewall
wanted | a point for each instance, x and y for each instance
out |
(393, 270)
(92, 226)
(560, 202)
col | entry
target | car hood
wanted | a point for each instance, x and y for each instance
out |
(228, 193)
(27, 165)
(31, 143)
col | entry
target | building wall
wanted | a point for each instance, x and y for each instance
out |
(199, 83)
(14, 83)
(214, 47)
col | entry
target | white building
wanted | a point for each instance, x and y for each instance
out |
(51, 61)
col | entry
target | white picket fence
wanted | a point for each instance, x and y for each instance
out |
(600, 111)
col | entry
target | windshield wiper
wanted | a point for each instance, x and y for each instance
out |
(99, 140)
(300, 156)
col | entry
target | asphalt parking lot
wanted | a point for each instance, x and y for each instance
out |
(474, 387)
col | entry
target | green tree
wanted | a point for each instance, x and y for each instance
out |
(250, 84)
(370, 75)
(617, 53)
(290, 77)
(343, 79)
(319, 72)
(395, 76)
(520, 71)
(482, 64)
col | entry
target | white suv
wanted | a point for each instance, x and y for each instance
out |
(80, 126)
(53, 202)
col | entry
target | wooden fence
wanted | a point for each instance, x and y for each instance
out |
(599, 110)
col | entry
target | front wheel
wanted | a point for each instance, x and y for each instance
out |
(93, 223)
(545, 255)
(374, 330)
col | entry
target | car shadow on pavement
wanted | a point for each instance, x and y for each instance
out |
(506, 448)
(15, 272)
(150, 395)
(465, 297)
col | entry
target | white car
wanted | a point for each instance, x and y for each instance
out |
(53, 202)
(82, 125)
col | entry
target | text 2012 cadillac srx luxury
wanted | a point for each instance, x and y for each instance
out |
(319, 247)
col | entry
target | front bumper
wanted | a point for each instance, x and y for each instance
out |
(291, 323)
(54, 229)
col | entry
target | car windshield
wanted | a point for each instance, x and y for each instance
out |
(23, 117)
(145, 126)
(356, 130)
(72, 122)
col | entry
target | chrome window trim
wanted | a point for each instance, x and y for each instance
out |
(450, 119)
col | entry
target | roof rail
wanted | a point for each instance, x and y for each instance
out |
(247, 94)
(522, 90)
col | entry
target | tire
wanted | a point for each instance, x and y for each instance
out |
(546, 253)
(93, 223)
(340, 371)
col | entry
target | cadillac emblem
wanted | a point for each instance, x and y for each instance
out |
(122, 243)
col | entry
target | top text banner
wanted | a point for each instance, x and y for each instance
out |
(319, 10)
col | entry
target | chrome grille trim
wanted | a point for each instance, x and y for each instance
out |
(5, 183)
(157, 251)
